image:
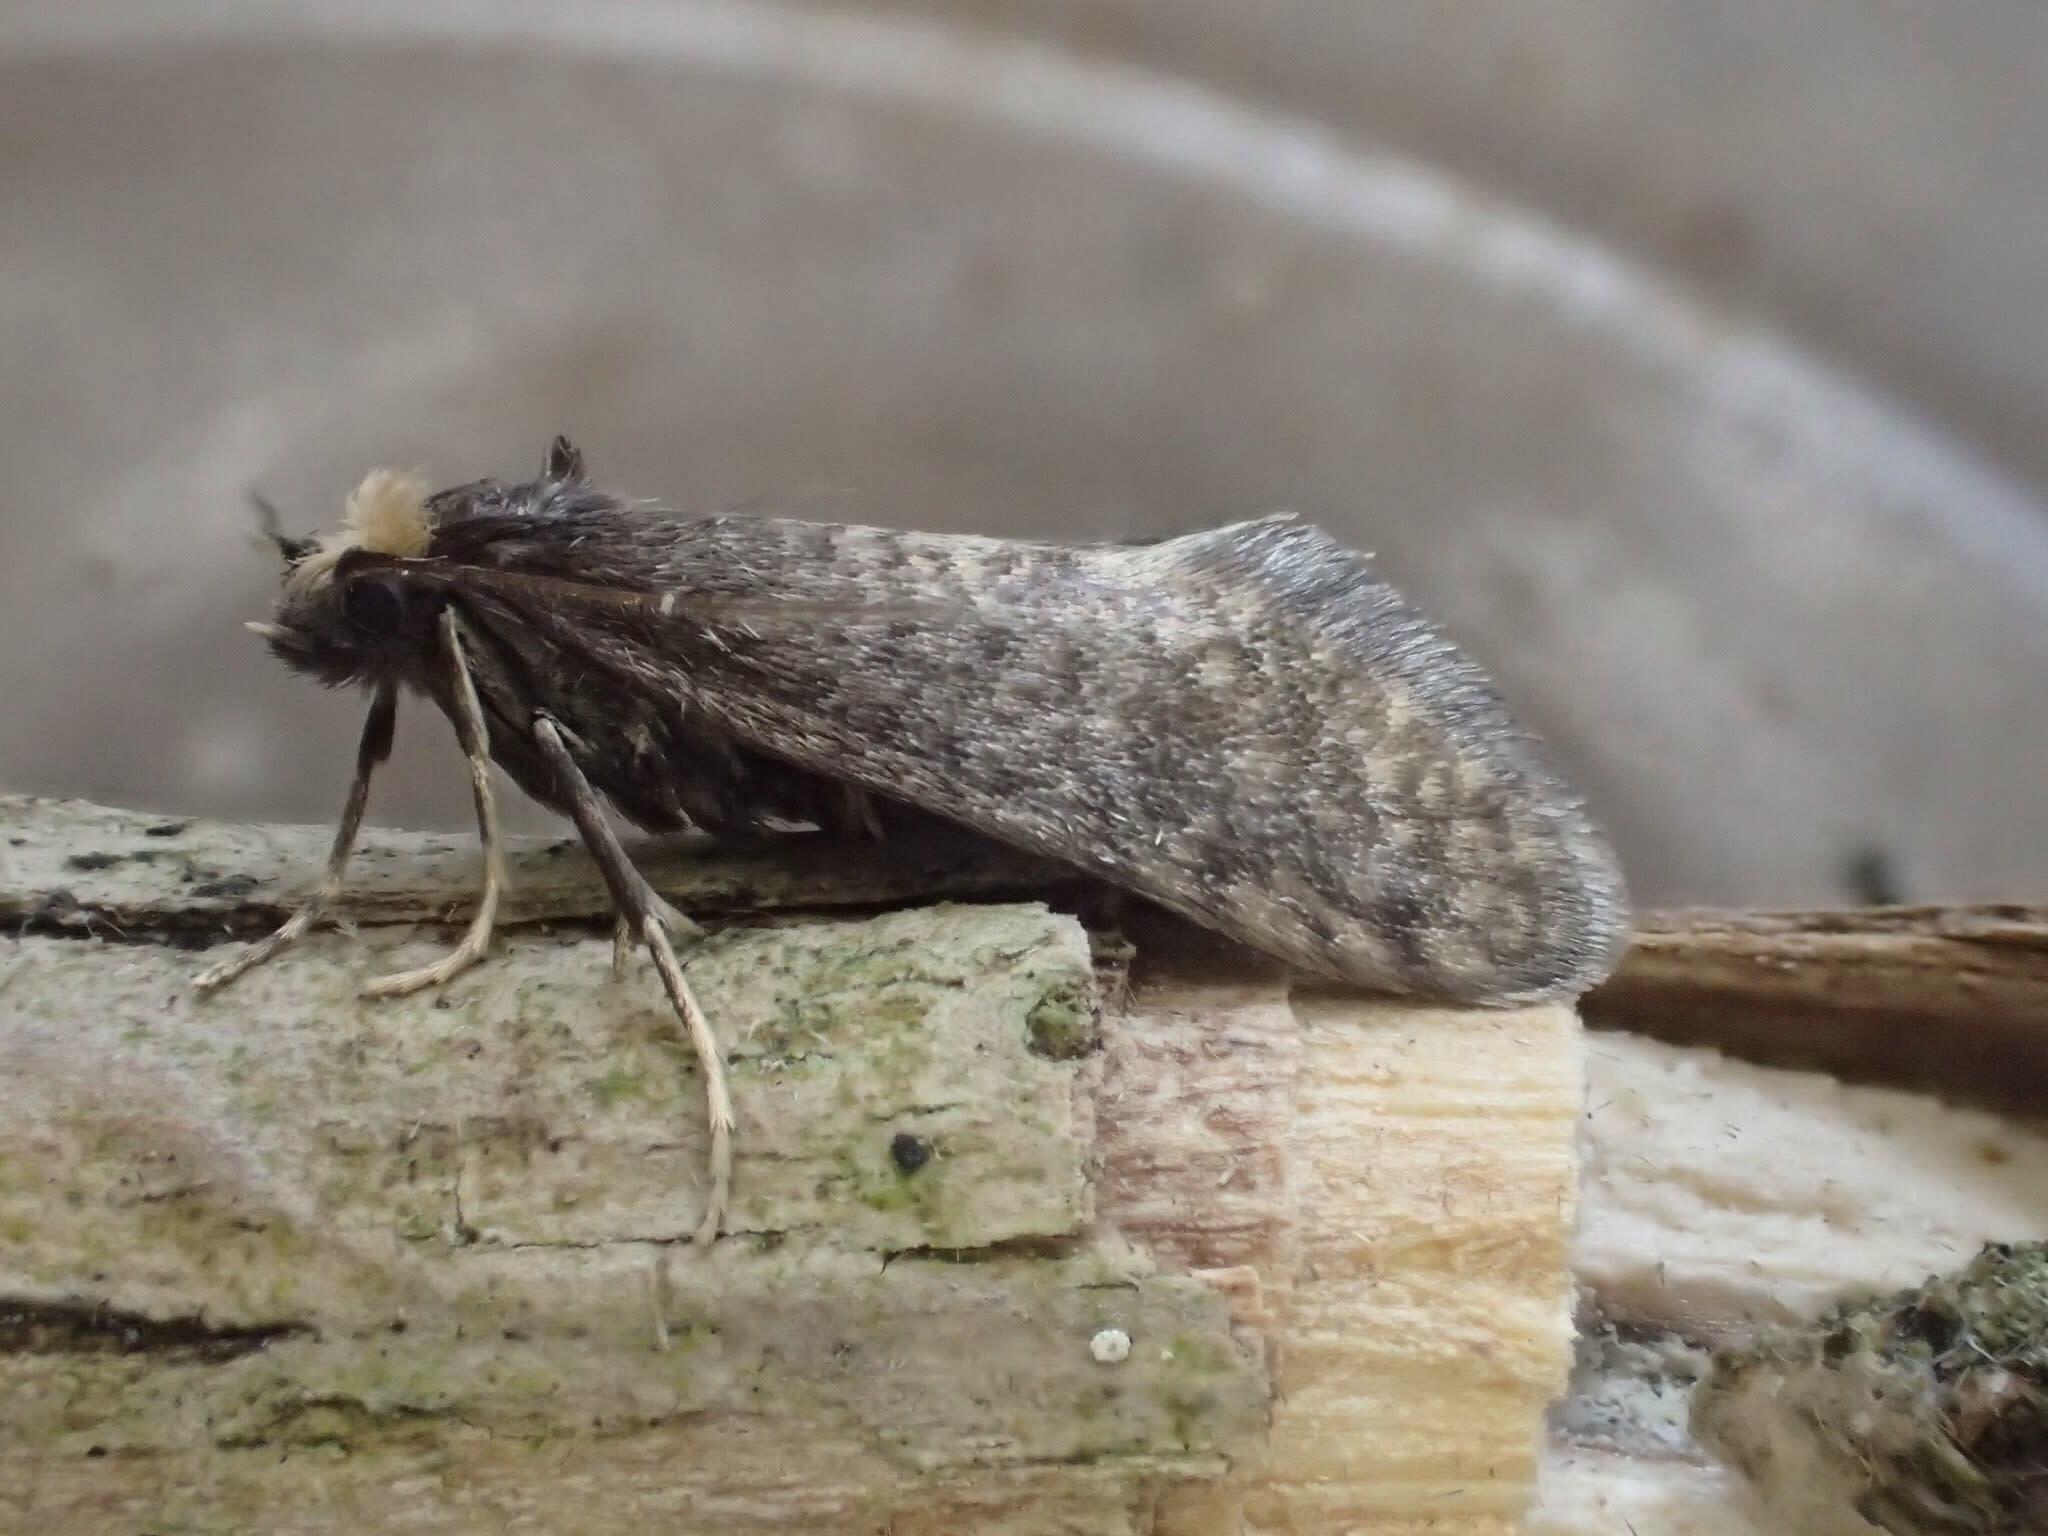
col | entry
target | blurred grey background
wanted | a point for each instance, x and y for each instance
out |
(1687, 362)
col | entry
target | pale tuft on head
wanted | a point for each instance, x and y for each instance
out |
(387, 514)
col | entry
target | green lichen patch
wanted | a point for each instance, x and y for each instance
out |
(1062, 1023)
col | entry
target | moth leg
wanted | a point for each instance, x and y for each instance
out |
(372, 750)
(641, 908)
(470, 730)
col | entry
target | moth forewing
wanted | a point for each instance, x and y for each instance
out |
(1243, 725)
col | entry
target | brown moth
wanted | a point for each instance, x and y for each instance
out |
(1244, 725)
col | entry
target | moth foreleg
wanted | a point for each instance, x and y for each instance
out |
(471, 732)
(373, 749)
(644, 910)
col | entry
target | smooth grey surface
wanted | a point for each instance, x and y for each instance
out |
(887, 267)
(1865, 175)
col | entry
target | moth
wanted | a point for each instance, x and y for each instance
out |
(1245, 725)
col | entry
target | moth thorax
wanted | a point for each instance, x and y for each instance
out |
(387, 514)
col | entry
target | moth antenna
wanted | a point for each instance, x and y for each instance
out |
(270, 527)
(564, 461)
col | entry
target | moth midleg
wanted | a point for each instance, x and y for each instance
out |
(471, 732)
(639, 905)
(372, 750)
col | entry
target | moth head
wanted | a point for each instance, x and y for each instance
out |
(350, 609)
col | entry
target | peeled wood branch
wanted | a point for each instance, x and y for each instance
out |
(293, 1259)
(1941, 999)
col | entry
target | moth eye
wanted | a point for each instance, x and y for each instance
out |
(374, 607)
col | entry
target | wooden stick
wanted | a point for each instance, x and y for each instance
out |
(1944, 999)
(1000, 1259)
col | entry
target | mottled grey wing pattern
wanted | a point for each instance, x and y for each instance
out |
(1242, 725)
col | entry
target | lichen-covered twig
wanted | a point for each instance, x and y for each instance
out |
(291, 1259)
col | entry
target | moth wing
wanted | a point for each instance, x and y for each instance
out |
(1243, 725)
